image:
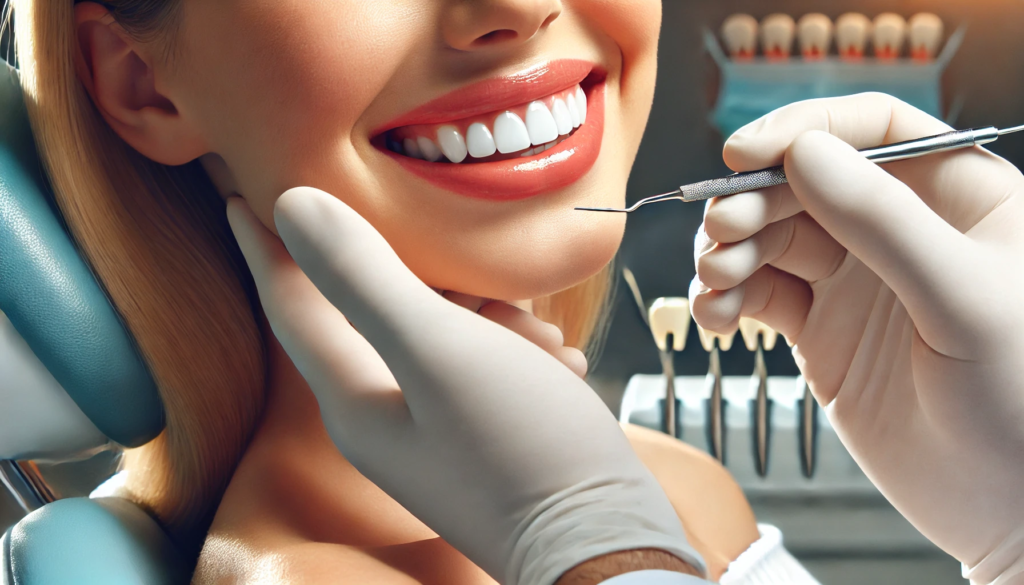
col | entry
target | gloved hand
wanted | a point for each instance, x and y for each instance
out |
(492, 442)
(900, 287)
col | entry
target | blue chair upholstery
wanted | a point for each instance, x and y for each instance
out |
(106, 541)
(69, 330)
(50, 296)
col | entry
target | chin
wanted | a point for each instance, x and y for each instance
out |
(521, 270)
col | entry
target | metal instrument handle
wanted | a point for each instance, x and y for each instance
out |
(736, 183)
(940, 143)
(772, 176)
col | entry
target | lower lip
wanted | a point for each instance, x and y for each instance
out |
(514, 179)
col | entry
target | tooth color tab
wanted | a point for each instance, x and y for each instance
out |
(574, 112)
(581, 104)
(479, 141)
(562, 119)
(540, 124)
(510, 133)
(452, 144)
(430, 150)
(411, 148)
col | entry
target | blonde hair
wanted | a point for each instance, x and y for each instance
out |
(158, 241)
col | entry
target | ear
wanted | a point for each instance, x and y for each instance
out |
(114, 70)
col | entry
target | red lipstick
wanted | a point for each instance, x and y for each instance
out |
(515, 177)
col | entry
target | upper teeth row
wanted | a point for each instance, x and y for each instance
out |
(510, 133)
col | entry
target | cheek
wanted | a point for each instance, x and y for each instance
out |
(306, 70)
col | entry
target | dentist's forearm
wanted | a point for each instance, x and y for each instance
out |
(605, 567)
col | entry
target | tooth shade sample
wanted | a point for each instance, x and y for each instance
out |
(890, 32)
(670, 315)
(574, 112)
(814, 31)
(510, 133)
(411, 148)
(452, 144)
(581, 105)
(562, 118)
(707, 339)
(925, 32)
(739, 33)
(540, 124)
(479, 141)
(749, 328)
(777, 36)
(852, 32)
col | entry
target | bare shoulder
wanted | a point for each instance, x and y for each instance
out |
(709, 502)
(226, 561)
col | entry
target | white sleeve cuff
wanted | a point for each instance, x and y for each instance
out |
(1004, 565)
(655, 577)
(767, 562)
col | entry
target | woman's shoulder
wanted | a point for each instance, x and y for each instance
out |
(424, 562)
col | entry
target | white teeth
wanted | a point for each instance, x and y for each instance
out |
(510, 133)
(452, 144)
(480, 141)
(890, 31)
(411, 148)
(550, 145)
(852, 31)
(430, 150)
(739, 32)
(581, 104)
(814, 32)
(574, 112)
(562, 118)
(925, 35)
(777, 32)
(540, 124)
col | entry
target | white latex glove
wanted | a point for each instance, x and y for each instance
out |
(484, 436)
(900, 287)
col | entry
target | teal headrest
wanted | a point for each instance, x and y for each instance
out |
(51, 297)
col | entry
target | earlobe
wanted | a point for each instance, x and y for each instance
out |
(114, 70)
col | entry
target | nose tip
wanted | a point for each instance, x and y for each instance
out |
(475, 24)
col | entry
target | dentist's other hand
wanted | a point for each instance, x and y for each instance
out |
(901, 289)
(478, 431)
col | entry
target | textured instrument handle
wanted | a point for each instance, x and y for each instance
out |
(733, 184)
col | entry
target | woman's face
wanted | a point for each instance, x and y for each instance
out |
(342, 95)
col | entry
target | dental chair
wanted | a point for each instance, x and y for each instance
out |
(72, 384)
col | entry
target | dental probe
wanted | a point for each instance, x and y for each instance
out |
(770, 177)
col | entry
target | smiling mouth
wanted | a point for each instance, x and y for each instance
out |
(518, 132)
(505, 138)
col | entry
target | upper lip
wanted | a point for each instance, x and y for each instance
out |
(497, 93)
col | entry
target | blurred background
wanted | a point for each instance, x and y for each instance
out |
(841, 538)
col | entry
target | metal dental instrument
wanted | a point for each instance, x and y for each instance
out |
(758, 337)
(669, 319)
(770, 177)
(712, 343)
(808, 408)
(627, 275)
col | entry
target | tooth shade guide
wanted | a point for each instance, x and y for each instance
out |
(921, 54)
(777, 33)
(925, 32)
(813, 54)
(749, 330)
(708, 338)
(739, 34)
